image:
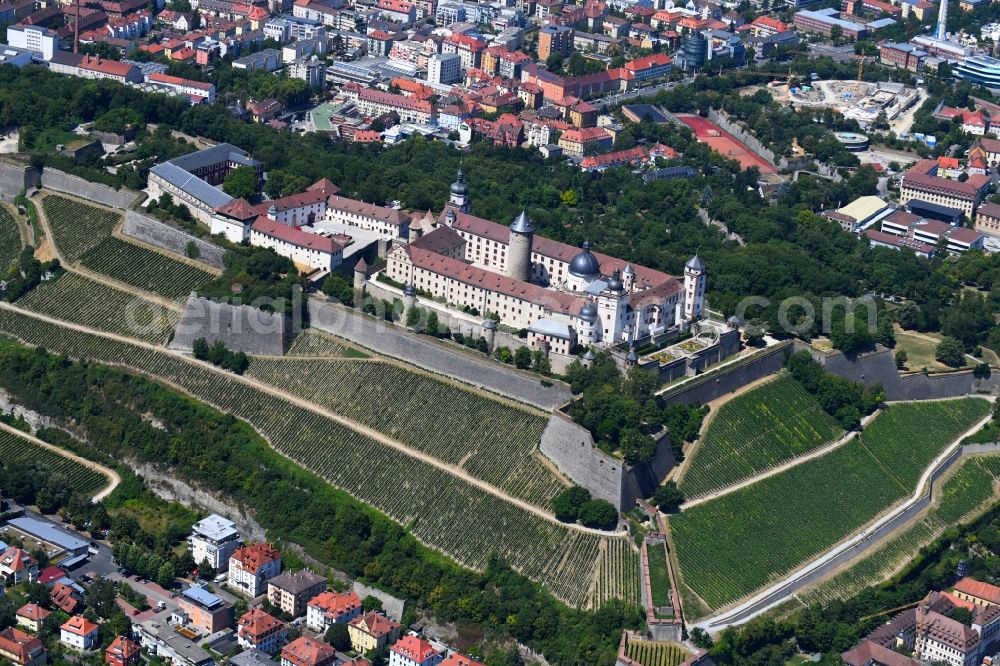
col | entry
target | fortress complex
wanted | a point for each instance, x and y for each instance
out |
(563, 296)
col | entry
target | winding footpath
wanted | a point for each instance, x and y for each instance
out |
(112, 475)
(296, 400)
(870, 537)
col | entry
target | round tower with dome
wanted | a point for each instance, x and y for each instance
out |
(587, 328)
(695, 277)
(519, 248)
(583, 269)
(460, 193)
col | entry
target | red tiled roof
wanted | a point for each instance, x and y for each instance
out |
(387, 98)
(79, 626)
(65, 597)
(122, 648)
(869, 652)
(414, 648)
(388, 215)
(238, 209)
(585, 134)
(23, 646)
(300, 200)
(255, 556)
(294, 236)
(33, 612)
(335, 604)
(112, 67)
(158, 77)
(306, 651)
(460, 660)
(374, 624)
(989, 209)
(324, 185)
(256, 624)
(648, 62)
(17, 559)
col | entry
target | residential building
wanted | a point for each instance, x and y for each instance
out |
(78, 633)
(311, 70)
(94, 67)
(765, 26)
(17, 566)
(250, 567)
(413, 651)
(204, 610)
(922, 182)
(268, 60)
(372, 631)
(123, 651)
(291, 591)
(31, 617)
(555, 39)
(306, 651)
(163, 641)
(469, 49)
(576, 143)
(197, 91)
(257, 629)
(262, 111)
(444, 68)
(214, 539)
(650, 67)
(310, 251)
(20, 648)
(456, 659)
(374, 103)
(331, 607)
(66, 598)
(34, 38)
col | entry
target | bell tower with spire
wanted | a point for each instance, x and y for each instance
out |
(460, 193)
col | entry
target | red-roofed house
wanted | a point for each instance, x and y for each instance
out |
(305, 651)
(308, 250)
(51, 575)
(260, 630)
(66, 598)
(122, 652)
(31, 617)
(252, 566)
(765, 26)
(196, 91)
(399, 11)
(372, 631)
(413, 651)
(17, 566)
(78, 633)
(331, 607)
(374, 103)
(650, 67)
(469, 49)
(21, 648)
(576, 143)
(977, 592)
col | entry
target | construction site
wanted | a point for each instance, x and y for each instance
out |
(857, 100)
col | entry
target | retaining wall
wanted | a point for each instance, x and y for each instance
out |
(162, 235)
(737, 130)
(571, 448)
(392, 606)
(726, 380)
(240, 327)
(63, 182)
(17, 177)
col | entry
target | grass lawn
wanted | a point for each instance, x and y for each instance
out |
(919, 350)
(659, 578)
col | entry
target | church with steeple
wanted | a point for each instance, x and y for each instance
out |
(562, 295)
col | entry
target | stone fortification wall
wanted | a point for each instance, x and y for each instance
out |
(162, 235)
(16, 177)
(572, 449)
(713, 385)
(102, 194)
(240, 327)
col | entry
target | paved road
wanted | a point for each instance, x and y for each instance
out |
(618, 98)
(390, 341)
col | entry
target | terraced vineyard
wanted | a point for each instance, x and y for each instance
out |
(10, 240)
(440, 509)
(755, 431)
(961, 496)
(491, 440)
(907, 436)
(618, 575)
(80, 300)
(80, 478)
(733, 545)
(655, 653)
(76, 226)
(143, 268)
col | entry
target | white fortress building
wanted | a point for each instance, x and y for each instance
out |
(563, 296)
